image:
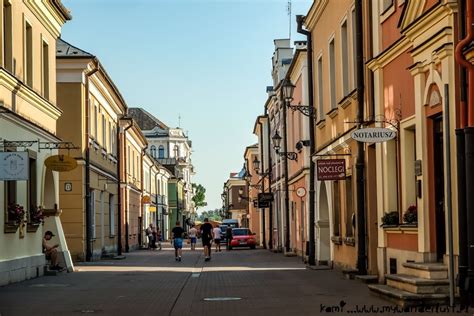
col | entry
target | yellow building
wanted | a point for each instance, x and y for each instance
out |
(28, 115)
(134, 148)
(93, 107)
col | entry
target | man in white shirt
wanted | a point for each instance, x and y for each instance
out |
(192, 236)
(217, 238)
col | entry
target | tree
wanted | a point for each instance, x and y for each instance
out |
(214, 215)
(199, 197)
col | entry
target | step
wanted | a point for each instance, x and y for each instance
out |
(417, 285)
(350, 273)
(369, 278)
(407, 299)
(428, 270)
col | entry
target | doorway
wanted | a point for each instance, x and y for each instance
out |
(438, 161)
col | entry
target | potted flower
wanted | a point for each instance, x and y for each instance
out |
(16, 213)
(36, 218)
(15, 216)
(390, 219)
(411, 215)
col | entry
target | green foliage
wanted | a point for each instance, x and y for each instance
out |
(199, 197)
(214, 215)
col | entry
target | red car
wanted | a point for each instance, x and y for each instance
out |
(243, 237)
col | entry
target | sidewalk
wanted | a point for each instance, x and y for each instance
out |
(153, 283)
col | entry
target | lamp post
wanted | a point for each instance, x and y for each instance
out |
(286, 95)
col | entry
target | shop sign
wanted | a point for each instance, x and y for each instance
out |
(14, 166)
(331, 169)
(264, 199)
(373, 135)
(146, 199)
(301, 192)
(60, 163)
(152, 208)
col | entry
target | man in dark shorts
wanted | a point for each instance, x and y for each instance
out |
(178, 240)
(206, 235)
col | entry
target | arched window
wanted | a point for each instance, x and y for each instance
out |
(161, 152)
(153, 151)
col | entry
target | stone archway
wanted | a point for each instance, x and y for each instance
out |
(322, 227)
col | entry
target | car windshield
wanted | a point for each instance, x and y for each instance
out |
(223, 228)
(240, 231)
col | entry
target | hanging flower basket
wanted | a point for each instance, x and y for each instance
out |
(36, 215)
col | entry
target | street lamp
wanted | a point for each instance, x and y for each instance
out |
(288, 89)
(276, 145)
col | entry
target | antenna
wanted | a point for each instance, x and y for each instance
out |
(289, 18)
(179, 120)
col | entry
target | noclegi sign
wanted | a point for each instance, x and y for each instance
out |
(373, 135)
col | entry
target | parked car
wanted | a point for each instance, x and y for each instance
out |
(231, 222)
(223, 230)
(243, 237)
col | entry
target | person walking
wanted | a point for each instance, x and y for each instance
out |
(206, 237)
(228, 237)
(149, 234)
(217, 238)
(193, 237)
(178, 232)
(158, 237)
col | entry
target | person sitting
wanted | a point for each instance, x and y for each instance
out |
(51, 252)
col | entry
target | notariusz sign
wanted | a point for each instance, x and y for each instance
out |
(373, 135)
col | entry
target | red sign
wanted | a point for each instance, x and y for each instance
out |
(331, 169)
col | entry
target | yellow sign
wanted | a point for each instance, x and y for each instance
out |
(146, 199)
(152, 209)
(60, 163)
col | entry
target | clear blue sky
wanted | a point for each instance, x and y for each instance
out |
(206, 60)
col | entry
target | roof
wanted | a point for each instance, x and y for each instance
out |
(145, 119)
(66, 14)
(66, 50)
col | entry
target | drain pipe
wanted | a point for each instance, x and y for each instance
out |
(461, 164)
(88, 214)
(469, 144)
(142, 208)
(312, 141)
(130, 120)
(360, 162)
(270, 174)
(262, 210)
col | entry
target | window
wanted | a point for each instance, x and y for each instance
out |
(92, 213)
(332, 74)
(354, 49)
(10, 194)
(337, 209)
(128, 160)
(96, 122)
(111, 138)
(349, 208)
(161, 152)
(7, 36)
(153, 151)
(345, 59)
(111, 215)
(386, 4)
(104, 132)
(45, 70)
(320, 89)
(28, 55)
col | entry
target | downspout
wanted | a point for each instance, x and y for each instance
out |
(140, 236)
(126, 180)
(312, 141)
(119, 191)
(461, 168)
(89, 231)
(262, 210)
(270, 173)
(360, 162)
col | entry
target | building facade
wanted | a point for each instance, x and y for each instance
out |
(28, 114)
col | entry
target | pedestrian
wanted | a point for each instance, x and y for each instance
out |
(158, 237)
(192, 237)
(51, 251)
(228, 237)
(206, 237)
(154, 234)
(217, 238)
(149, 234)
(178, 232)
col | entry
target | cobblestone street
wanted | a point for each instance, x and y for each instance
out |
(153, 283)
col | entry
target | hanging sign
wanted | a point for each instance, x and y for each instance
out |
(331, 169)
(60, 163)
(146, 199)
(373, 135)
(14, 166)
(301, 192)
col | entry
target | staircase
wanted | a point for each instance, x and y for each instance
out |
(422, 284)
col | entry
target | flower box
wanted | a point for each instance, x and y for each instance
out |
(32, 227)
(10, 228)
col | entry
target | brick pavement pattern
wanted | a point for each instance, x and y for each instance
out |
(153, 283)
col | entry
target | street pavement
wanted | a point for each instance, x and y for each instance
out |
(238, 282)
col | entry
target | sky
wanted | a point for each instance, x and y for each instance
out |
(206, 61)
